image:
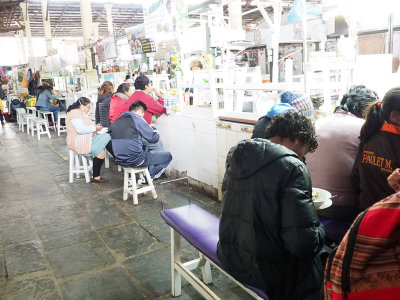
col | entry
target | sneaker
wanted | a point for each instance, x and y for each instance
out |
(158, 175)
(3, 124)
(142, 180)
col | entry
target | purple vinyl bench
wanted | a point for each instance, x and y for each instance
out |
(200, 229)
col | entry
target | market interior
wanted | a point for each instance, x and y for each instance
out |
(173, 148)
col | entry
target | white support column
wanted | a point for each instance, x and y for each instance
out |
(22, 46)
(24, 8)
(235, 14)
(18, 47)
(47, 27)
(87, 29)
(305, 50)
(96, 30)
(108, 8)
(275, 40)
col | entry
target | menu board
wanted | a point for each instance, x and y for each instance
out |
(137, 42)
(106, 48)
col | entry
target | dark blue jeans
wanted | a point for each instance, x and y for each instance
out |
(157, 161)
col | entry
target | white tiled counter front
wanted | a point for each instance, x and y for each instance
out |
(190, 136)
(228, 135)
(199, 144)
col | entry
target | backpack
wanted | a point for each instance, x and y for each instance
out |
(366, 264)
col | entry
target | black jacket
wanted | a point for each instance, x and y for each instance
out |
(270, 234)
(379, 157)
(103, 109)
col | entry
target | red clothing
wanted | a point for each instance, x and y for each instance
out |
(117, 106)
(153, 106)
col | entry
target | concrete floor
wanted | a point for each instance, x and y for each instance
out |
(81, 241)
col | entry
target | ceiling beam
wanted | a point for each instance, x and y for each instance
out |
(11, 28)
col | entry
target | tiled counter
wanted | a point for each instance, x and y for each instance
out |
(199, 144)
(228, 135)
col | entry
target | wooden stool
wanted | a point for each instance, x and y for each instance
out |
(130, 186)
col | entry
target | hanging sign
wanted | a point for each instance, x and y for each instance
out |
(137, 42)
(106, 48)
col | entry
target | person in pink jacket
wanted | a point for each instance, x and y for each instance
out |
(142, 93)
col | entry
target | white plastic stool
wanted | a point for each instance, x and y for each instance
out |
(130, 186)
(107, 161)
(59, 127)
(30, 123)
(75, 167)
(32, 111)
(40, 124)
(44, 114)
(21, 118)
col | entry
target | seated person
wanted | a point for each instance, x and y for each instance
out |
(118, 101)
(331, 165)
(288, 99)
(142, 93)
(394, 180)
(379, 150)
(43, 102)
(102, 111)
(372, 255)
(270, 235)
(127, 133)
(265, 121)
(82, 137)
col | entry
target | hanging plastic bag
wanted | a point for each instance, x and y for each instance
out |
(24, 82)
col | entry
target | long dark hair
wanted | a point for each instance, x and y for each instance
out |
(357, 100)
(43, 88)
(379, 113)
(81, 101)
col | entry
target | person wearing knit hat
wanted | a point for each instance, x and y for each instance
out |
(298, 101)
(265, 121)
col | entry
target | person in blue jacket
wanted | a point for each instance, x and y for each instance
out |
(46, 94)
(127, 133)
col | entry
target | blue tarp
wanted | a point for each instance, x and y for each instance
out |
(296, 13)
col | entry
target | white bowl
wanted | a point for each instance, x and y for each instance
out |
(323, 200)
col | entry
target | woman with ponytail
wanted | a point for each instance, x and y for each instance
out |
(379, 151)
(82, 136)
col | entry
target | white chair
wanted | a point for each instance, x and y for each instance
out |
(59, 127)
(107, 161)
(21, 118)
(42, 127)
(130, 186)
(44, 115)
(75, 167)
